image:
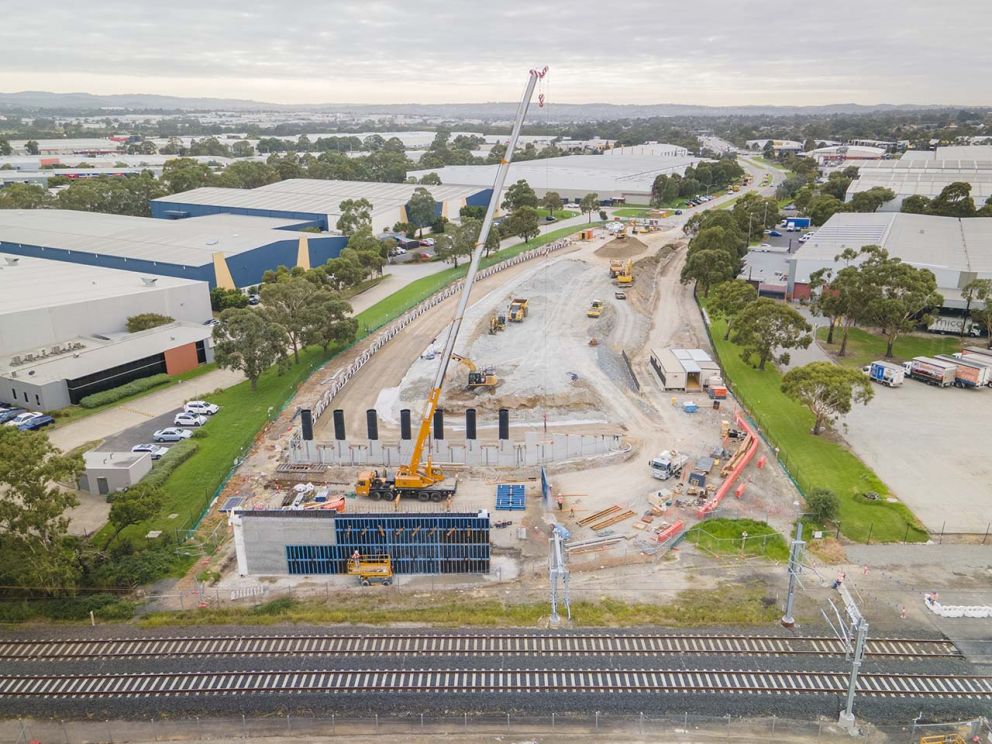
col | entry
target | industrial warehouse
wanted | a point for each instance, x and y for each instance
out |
(224, 250)
(315, 203)
(621, 177)
(957, 251)
(927, 176)
(63, 329)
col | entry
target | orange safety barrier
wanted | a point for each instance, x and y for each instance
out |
(724, 489)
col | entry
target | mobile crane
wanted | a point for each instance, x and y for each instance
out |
(425, 481)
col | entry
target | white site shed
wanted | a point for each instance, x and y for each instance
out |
(108, 472)
(684, 369)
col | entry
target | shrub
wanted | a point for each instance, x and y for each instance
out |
(222, 299)
(144, 321)
(822, 505)
(178, 453)
(132, 388)
(103, 606)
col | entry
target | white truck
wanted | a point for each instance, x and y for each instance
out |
(969, 373)
(931, 371)
(885, 373)
(951, 326)
(668, 464)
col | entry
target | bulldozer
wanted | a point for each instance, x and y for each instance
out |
(486, 377)
(497, 323)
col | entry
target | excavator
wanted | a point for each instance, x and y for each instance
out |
(424, 480)
(626, 276)
(497, 323)
(476, 379)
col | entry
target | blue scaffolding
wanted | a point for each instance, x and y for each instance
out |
(510, 497)
(417, 543)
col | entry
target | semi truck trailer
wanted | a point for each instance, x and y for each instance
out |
(968, 374)
(931, 371)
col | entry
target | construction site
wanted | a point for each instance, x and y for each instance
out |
(514, 419)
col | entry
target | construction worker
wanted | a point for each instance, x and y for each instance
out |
(356, 559)
(561, 501)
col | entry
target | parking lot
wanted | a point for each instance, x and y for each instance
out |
(930, 447)
(140, 434)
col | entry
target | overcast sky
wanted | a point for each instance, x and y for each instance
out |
(711, 52)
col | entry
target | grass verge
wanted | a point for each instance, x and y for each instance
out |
(559, 214)
(637, 212)
(730, 604)
(864, 347)
(815, 461)
(74, 413)
(726, 537)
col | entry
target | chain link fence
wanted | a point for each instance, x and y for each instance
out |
(348, 727)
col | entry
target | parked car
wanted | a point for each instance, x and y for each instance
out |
(254, 299)
(427, 242)
(22, 418)
(189, 419)
(211, 322)
(9, 413)
(37, 422)
(774, 233)
(804, 238)
(424, 256)
(153, 449)
(549, 218)
(678, 211)
(172, 434)
(201, 407)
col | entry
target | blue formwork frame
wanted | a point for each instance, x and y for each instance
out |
(545, 487)
(511, 497)
(417, 543)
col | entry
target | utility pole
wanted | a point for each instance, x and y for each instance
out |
(557, 569)
(795, 566)
(858, 631)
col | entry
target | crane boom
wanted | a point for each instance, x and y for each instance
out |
(413, 468)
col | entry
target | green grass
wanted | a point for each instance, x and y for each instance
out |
(724, 537)
(864, 347)
(228, 435)
(560, 214)
(635, 212)
(74, 413)
(816, 461)
(403, 299)
(730, 604)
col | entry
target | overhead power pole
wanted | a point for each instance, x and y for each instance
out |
(795, 566)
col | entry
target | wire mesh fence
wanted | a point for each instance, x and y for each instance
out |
(686, 725)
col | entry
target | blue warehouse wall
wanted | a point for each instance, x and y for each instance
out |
(247, 268)
(322, 249)
(203, 273)
(176, 210)
(480, 199)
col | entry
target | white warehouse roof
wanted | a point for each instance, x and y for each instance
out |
(189, 242)
(604, 175)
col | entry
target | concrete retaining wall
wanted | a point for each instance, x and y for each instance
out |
(534, 450)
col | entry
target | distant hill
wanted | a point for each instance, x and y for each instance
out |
(138, 102)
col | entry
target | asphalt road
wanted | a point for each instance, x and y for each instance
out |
(123, 441)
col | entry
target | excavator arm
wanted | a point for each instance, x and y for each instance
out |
(428, 474)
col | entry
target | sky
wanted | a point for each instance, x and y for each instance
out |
(707, 52)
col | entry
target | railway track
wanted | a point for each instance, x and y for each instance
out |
(631, 681)
(425, 645)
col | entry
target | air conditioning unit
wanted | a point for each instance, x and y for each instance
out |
(15, 360)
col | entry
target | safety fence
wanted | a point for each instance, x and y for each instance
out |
(681, 726)
(342, 377)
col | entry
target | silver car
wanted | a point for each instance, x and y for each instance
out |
(171, 434)
(189, 419)
(153, 449)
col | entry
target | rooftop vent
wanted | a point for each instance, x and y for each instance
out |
(149, 281)
(11, 260)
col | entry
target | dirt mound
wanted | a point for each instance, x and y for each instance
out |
(622, 248)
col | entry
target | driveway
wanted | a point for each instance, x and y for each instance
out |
(141, 411)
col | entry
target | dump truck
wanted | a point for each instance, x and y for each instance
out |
(595, 310)
(968, 374)
(931, 371)
(668, 464)
(616, 266)
(518, 310)
(885, 373)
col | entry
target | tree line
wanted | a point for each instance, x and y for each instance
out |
(697, 179)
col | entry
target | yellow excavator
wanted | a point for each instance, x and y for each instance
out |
(486, 378)
(626, 276)
(497, 323)
(424, 480)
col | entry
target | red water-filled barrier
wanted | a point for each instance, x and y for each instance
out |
(738, 462)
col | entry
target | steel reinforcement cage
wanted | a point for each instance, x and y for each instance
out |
(417, 543)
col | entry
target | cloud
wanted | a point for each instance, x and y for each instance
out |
(430, 51)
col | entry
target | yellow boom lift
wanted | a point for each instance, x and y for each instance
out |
(423, 480)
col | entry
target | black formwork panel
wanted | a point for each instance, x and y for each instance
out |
(417, 543)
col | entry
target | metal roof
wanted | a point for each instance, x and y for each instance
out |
(189, 242)
(925, 177)
(98, 353)
(922, 240)
(588, 173)
(315, 196)
(67, 283)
